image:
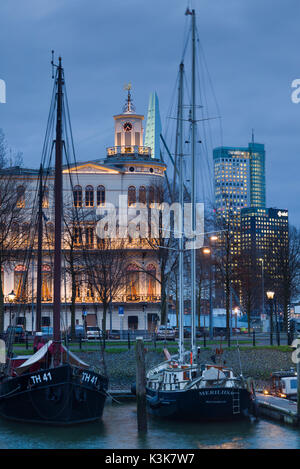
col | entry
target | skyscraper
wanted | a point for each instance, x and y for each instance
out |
(239, 175)
(153, 127)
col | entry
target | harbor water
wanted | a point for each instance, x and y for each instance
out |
(118, 430)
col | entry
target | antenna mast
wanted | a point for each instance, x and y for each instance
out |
(58, 216)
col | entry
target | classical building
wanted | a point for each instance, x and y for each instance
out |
(128, 169)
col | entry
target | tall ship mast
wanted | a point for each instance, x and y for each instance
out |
(53, 386)
(182, 387)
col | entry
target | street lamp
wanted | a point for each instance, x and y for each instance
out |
(236, 312)
(270, 296)
(145, 318)
(11, 299)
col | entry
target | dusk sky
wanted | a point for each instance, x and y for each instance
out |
(251, 48)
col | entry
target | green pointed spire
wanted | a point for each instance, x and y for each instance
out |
(153, 127)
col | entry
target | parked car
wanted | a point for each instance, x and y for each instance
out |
(94, 333)
(114, 334)
(186, 332)
(19, 333)
(79, 332)
(202, 331)
(164, 332)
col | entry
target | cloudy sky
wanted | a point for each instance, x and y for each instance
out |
(251, 49)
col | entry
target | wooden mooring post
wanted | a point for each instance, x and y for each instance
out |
(141, 386)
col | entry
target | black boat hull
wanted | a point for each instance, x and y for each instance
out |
(201, 404)
(54, 396)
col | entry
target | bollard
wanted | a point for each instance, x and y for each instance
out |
(253, 338)
(80, 340)
(204, 340)
(26, 340)
(128, 336)
(141, 386)
(154, 340)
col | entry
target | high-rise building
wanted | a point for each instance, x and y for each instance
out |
(239, 174)
(153, 127)
(264, 238)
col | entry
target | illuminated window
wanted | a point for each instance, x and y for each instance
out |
(21, 196)
(132, 282)
(20, 282)
(89, 196)
(45, 201)
(77, 194)
(46, 283)
(89, 236)
(77, 235)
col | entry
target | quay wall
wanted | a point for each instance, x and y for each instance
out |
(257, 364)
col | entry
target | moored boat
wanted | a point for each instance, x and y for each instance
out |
(193, 392)
(53, 386)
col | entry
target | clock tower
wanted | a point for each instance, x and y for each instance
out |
(128, 126)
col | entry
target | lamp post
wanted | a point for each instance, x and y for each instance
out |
(277, 324)
(262, 287)
(270, 296)
(236, 311)
(11, 299)
(209, 252)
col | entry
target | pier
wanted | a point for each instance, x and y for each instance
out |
(277, 408)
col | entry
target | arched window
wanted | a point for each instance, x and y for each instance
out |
(100, 196)
(20, 282)
(77, 194)
(131, 196)
(21, 196)
(151, 281)
(132, 282)
(45, 201)
(151, 195)
(142, 195)
(89, 196)
(46, 283)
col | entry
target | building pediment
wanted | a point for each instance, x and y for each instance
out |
(91, 168)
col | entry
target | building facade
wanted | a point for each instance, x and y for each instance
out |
(127, 170)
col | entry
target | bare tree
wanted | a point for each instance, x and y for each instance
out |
(248, 279)
(12, 215)
(226, 256)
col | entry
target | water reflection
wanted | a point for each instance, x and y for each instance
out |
(119, 430)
